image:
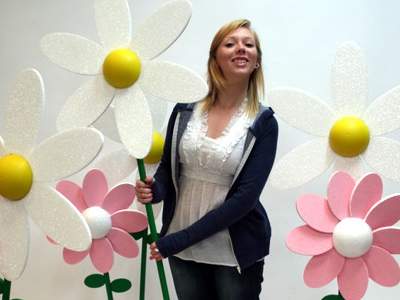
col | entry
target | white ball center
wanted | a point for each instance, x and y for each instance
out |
(99, 221)
(352, 237)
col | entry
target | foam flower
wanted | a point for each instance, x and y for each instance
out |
(350, 235)
(26, 171)
(123, 68)
(109, 218)
(345, 134)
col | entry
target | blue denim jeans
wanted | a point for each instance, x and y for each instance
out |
(198, 281)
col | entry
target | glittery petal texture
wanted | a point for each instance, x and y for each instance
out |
(340, 188)
(383, 115)
(102, 255)
(307, 241)
(73, 193)
(86, 104)
(383, 155)
(384, 213)
(134, 121)
(162, 28)
(113, 22)
(107, 125)
(23, 113)
(353, 280)
(14, 237)
(158, 110)
(73, 52)
(315, 156)
(301, 110)
(123, 243)
(94, 188)
(352, 165)
(65, 154)
(172, 82)
(349, 79)
(58, 218)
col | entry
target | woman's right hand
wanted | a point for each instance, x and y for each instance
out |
(143, 190)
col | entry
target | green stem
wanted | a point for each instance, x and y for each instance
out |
(153, 233)
(108, 286)
(7, 289)
(143, 267)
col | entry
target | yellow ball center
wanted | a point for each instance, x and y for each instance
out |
(121, 68)
(15, 177)
(156, 149)
(349, 136)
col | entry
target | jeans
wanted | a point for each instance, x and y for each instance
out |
(199, 281)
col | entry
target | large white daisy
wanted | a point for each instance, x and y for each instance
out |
(26, 171)
(123, 69)
(347, 133)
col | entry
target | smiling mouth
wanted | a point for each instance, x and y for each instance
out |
(241, 61)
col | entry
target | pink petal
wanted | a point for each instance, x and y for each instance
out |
(323, 268)
(73, 193)
(382, 267)
(340, 188)
(353, 280)
(102, 255)
(120, 197)
(123, 243)
(73, 257)
(384, 213)
(94, 188)
(388, 238)
(129, 220)
(367, 192)
(315, 211)
(305, 240)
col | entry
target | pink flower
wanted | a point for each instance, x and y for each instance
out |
(349, 235)
(108, 217)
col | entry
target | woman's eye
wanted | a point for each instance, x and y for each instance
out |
(229, 45)
(249, 45)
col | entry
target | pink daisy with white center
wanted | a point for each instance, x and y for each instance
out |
(109, 218)
(350, 235)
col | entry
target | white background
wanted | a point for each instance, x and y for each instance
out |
(298, 38)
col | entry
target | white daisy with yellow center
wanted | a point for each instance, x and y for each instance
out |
(123, 69)
(347, 134)
(26, 171)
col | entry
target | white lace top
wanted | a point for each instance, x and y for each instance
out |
(207, 169)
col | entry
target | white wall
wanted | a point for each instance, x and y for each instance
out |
(299, 40)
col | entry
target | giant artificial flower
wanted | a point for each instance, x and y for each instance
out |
(109, 218)
(346, 133)
(122, 69)
(350, 235)
(27, 169)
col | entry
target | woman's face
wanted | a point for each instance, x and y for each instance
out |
(237, 54)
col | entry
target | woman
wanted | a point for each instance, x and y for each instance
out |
(217, 158)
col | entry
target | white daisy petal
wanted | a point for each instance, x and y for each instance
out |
(158, 112)
(65, 153)
(2, 148)
(107, 125)
(86, 105)
(315, 157)
(172, 82)
(349, 80)
(134, 121)
(58, 217)
(353, 165)
(113, 22)
(23, 113)
(383, 154)
(73, 52)
(162, 28)
(302, 110)
(383, 115)
(117, 166)
(14, 238)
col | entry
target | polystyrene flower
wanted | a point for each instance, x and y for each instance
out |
(345, 134)
(26, 170)
(350, 235)
(109, 218)
(123, 69)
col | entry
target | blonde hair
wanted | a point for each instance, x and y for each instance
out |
(215, 77)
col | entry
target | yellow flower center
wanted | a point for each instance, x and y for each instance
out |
(121, 68)
(349, 136)
(15, 177)
(156, 150)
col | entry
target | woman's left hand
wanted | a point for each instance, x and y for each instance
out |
(154, 252)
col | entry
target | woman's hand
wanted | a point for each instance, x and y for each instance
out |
(143, 190)
(154, 252)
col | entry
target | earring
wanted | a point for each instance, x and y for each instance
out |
(257, 66)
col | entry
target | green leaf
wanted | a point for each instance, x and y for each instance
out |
(139, 235)
(1, 286)
(95, 281)
(333, 297)
(120, 285)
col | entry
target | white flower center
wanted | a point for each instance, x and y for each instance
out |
(352, 237)
(99, 221)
